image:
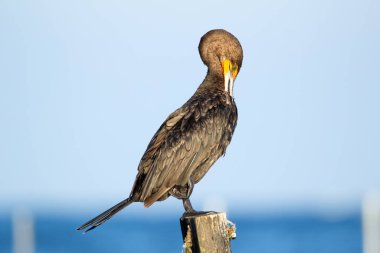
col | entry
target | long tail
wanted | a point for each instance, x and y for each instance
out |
(103, 217)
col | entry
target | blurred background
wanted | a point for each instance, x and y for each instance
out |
(84, 85)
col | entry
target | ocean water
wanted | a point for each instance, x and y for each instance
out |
(259, 234)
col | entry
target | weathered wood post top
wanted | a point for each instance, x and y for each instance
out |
(209, 232)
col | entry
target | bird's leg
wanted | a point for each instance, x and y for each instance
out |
(188, 207)
(184, 194)
(186, 200)
(189, 210)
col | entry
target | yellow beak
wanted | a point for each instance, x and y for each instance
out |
(230, 72)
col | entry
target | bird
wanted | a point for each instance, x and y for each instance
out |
(193, 137)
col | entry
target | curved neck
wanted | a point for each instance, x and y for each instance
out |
(213, 80)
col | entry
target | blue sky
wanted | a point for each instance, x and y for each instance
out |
(85, 84)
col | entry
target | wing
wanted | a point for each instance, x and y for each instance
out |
(148, 161)
(190, 140)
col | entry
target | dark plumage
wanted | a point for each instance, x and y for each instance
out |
(194, 136)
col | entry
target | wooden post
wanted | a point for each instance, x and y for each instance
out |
(207, 233)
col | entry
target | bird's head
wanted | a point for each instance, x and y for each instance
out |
(222, 53)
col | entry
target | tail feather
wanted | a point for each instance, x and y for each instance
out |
(103, 217)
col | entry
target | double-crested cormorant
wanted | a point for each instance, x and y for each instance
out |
(193, 137)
